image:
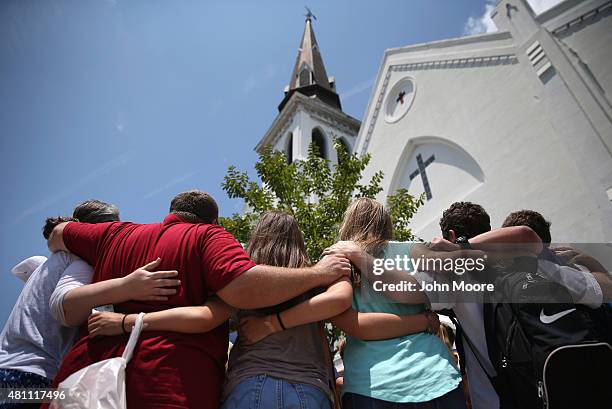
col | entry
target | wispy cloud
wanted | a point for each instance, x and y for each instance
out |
(484, 23)
(61, 194)
(357, 89)
(177, 180)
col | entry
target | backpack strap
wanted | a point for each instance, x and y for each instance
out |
(454, 320)
(496, 382)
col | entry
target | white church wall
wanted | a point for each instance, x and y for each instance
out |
(499, 114)
(590, 41)
(456, 172)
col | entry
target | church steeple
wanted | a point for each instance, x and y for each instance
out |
(310, 112)
(309, 76)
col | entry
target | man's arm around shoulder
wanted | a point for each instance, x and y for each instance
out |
(56, 239)
(264, 286)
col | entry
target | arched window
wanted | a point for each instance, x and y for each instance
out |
(289, 148)
(304, 77)
(441, 169)
(318, 139)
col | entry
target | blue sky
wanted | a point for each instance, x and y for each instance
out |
(133, 101)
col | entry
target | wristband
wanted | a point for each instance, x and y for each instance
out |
(123, 324)
(464, 242)
(280, 321)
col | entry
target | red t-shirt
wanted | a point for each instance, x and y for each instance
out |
(168, 369)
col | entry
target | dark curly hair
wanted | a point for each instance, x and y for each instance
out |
(531, 219)
(465, 219)
(51, 222)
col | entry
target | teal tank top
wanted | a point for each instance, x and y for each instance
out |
(412, 368)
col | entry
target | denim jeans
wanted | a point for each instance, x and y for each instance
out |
(12, 378)
(452, 400)
(265, 392)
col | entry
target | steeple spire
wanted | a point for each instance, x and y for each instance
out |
(309, 76)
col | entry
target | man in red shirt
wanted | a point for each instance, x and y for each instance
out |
(168, 369)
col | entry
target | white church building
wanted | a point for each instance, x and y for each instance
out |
(516, 119)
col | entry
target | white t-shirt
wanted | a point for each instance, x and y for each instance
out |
(24, 270)
(581, 285)
(33, 339)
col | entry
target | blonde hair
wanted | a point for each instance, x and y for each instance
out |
(367, 223)
(278, 241)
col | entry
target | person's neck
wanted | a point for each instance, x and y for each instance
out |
(188, 217)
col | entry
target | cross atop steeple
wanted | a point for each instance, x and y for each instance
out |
(309, 14)
(309, 76)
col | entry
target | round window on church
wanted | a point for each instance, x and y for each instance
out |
(399, 99)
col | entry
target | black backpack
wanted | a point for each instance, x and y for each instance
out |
(546, 355)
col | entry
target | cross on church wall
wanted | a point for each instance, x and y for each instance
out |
(421, 170)
(400, 97)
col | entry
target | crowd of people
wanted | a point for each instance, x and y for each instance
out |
(192, 278)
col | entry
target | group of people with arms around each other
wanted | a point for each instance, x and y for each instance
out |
(191, 278)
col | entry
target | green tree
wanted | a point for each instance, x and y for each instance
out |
(314, 192)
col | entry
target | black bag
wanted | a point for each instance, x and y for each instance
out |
(531, 340)
(578, 376)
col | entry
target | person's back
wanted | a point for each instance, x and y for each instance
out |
(465, 220)
(180, 367)
(287, 361)
(411, 368)
(295, 354)
(405, 372)
(32, 341)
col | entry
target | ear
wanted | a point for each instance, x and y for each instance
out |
(452, 236)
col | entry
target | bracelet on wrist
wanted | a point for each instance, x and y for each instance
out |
(280, 322)
(123, 324)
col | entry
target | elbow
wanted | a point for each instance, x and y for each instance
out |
(341, 302)
(345, 301)
(353, 330)
(357, 334)
(72, 315)
(55, 238)
(202, 325)
(56, 308)
(530, 237)
(71, 319)
(68, 322)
